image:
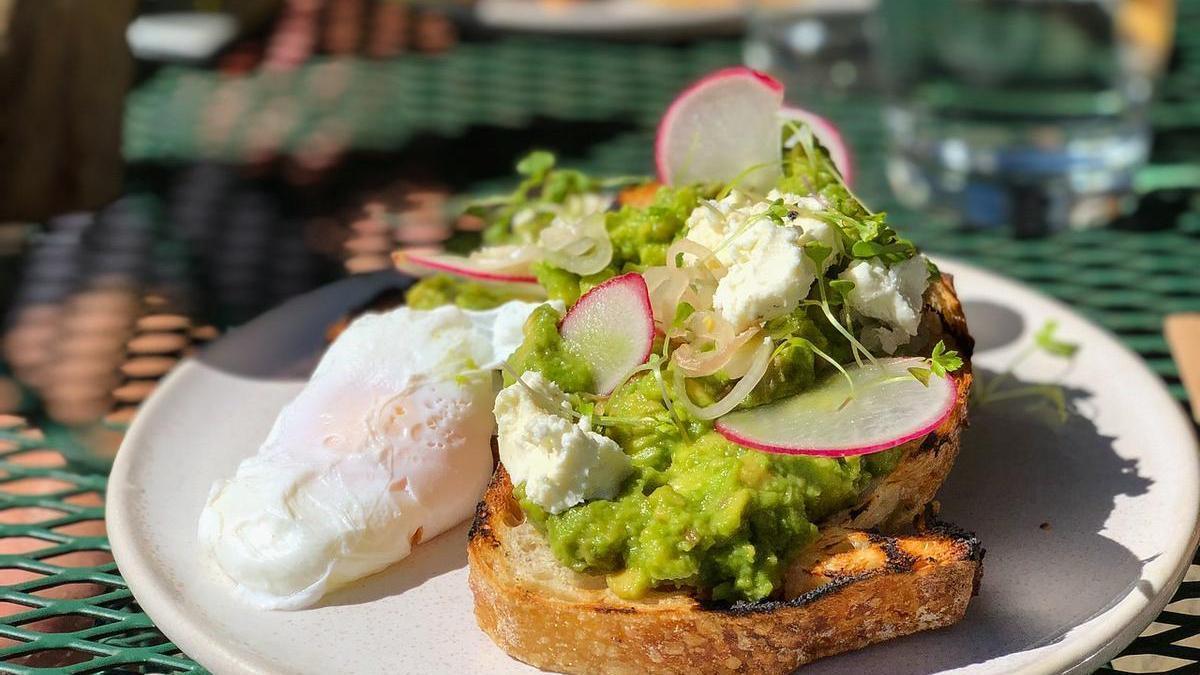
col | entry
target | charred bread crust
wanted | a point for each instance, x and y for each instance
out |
(553, 624)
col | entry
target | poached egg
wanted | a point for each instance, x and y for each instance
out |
(387, 445)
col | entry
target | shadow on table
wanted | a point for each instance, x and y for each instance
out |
(1038, 494)
(992, 325)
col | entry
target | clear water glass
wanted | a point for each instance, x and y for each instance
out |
(1027, 114)
(819, 49)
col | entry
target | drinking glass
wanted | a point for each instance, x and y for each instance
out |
(1029, 114)
(819, 49)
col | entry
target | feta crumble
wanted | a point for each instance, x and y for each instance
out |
(766, 271)
(560, 462)
(893, 295)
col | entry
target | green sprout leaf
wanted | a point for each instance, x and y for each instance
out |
(934, 272)
(817, 252)
(1046, 340)
(943, 361)
(842, 287)
(866, 249)
(682, 312)
(1051, 394)
(920, 374)
(536, 164)
(777, 211)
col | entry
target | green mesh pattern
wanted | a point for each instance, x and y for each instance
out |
(1124, 280)
(371, 105)
(65, 579)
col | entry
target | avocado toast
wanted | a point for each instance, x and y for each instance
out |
(720, 435)
(851, 587)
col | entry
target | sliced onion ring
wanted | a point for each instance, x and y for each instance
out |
(699, 364)
(688, 247)
(666, 286)
(758, 368)
(582, 247)
(512, 258)
(739, 362)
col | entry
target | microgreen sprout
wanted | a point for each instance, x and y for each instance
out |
(941, 362)
(856, 347)
(842, 287)
(777, 211)
(657, 369)
(815, 350)
(736, 182)
(818, 253)
(682, 311)
(536, 164)
(543, 186)
(864, 232)
(1045, 340)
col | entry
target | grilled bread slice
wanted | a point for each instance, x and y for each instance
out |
(847, 590)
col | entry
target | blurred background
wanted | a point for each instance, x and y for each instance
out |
(172, 168)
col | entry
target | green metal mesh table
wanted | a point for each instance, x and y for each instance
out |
(63, 581)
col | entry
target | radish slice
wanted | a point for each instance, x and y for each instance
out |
(722, 128)
(883, 413)
(828, 135)
(612, 328)
(458, 266)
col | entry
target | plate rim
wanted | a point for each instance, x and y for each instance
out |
(589, 20)
(1125, 620)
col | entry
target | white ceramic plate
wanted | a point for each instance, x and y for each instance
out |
(607, 16)
(1117, 485)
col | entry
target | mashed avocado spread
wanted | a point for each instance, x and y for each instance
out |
(696, 510)
(443, 289)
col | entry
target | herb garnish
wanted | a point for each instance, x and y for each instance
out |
(1045, 340)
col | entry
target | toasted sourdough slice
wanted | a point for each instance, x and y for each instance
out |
(847, 590)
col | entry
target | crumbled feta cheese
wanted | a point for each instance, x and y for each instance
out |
(814, 229)
(767, 275)
(892, 295)
(711, 221)
(766, 271)
(560, 462)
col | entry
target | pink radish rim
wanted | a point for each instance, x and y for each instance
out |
(643, 296)
(847, 452)
(421, 260)
(707, 80)
(835, 136)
